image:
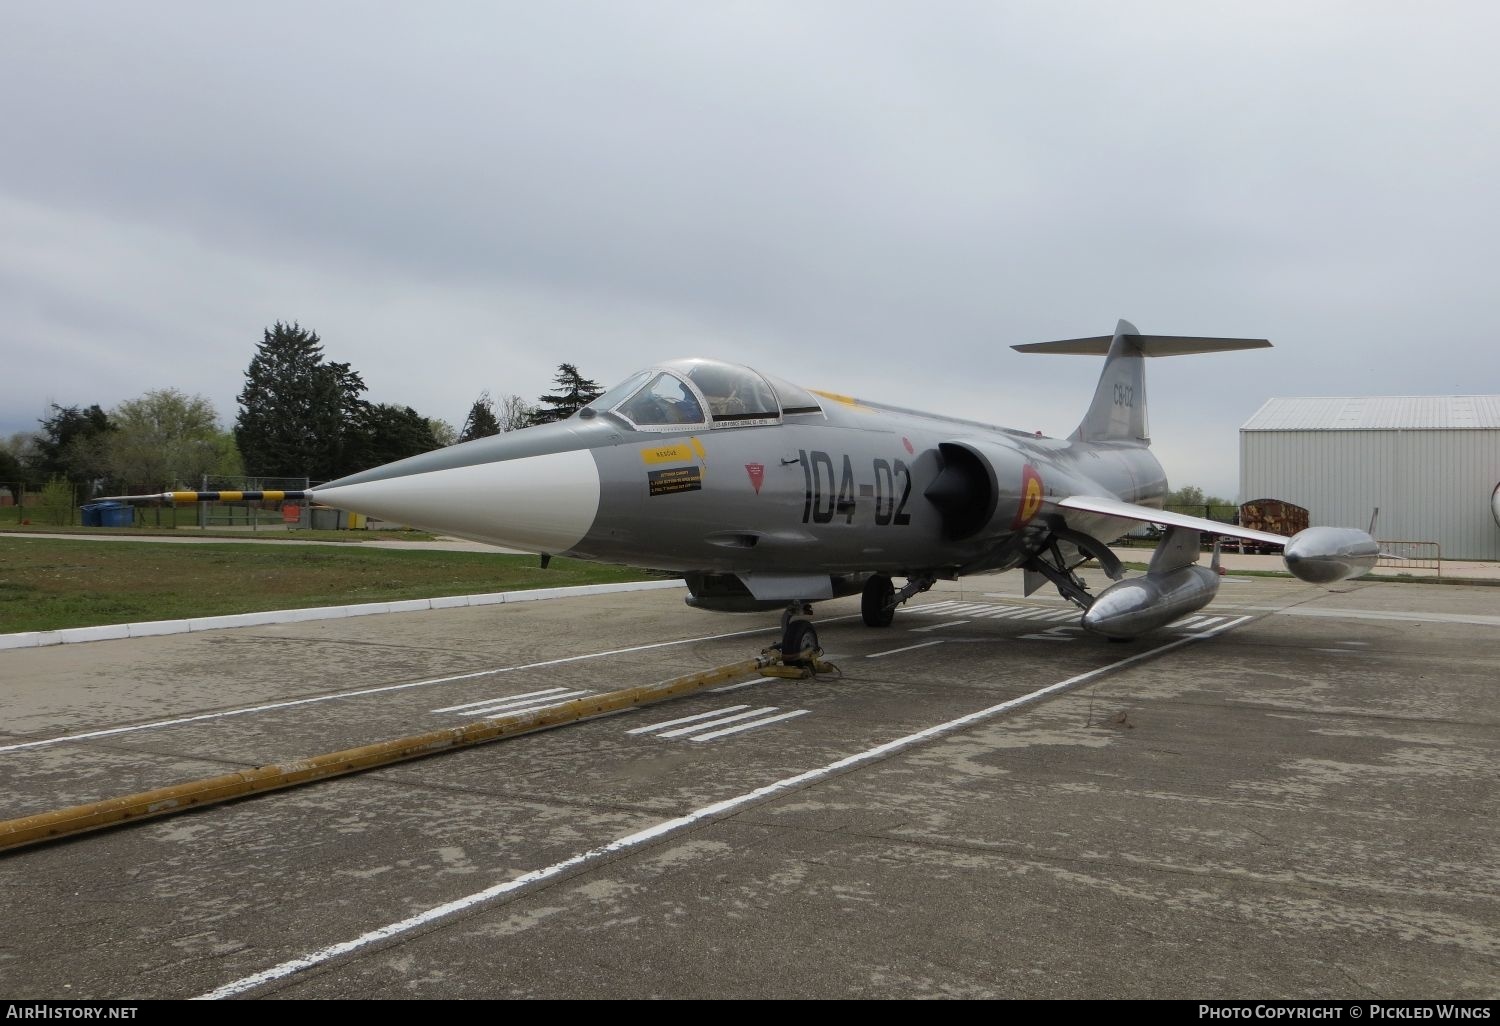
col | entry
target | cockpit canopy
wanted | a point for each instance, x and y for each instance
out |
(703, 393)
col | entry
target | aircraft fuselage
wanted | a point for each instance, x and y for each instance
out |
(841, 492)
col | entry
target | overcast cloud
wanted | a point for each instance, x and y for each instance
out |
(872, 198)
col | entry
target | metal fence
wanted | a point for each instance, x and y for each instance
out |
(253, 516)
(1411, 555)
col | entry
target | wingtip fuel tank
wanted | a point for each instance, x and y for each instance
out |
(1325, 555)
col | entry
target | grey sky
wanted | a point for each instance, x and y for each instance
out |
(873, 198)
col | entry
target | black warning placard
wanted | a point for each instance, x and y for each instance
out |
(675, 479)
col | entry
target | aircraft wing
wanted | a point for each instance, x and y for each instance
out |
(1145, 514)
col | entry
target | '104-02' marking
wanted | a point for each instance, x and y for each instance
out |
(821, 503)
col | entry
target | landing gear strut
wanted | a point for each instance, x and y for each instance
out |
(878, 604)
(1051, 565)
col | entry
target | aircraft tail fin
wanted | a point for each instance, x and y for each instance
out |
(1118, 412)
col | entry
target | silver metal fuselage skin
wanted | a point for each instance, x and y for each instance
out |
(841, 492)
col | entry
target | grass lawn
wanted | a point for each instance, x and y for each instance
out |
(47, 584)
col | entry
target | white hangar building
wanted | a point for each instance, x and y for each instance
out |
(1430, 463)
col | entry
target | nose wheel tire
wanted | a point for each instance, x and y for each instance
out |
(877, 605)
(799, 643)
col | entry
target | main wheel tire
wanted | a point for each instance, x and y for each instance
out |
(875, 605)
(798, 643)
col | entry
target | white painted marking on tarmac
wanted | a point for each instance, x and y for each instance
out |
(741, 684)
(499, 712)
(1379, 614)
(938, 626)
(1223, 627)
(719, 722)
(750, 726)
(939, 608)
(1059, 633)
(491, 701)
(1183, 624)
(684, 719)
(1209, 622)
(1001, 612)
(361, 692)
(671, 826)
(908, 648)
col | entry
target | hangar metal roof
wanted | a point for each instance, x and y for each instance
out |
(1378, 413)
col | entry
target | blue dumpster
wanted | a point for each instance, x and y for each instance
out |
(90, 513)
(110, 514)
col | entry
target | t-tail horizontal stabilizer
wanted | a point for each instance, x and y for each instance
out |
(1118, 412)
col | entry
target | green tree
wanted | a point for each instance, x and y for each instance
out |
(388, 433)
(298, 415)
(574, 392)
(73, 444)
(164, 439)
(1188, 495)
(481, 422)
(1190, 499)
(57, 500)
(12, 474)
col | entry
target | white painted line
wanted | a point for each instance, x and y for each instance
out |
(1032, 614)
(500, 714)
(490, 701)
(1183, 624)
(511, 708)
(714, 723)
(1224, 627)
(1374, 614)
(931, 607)
(908, 648)
(938, 626)
(667, 827)
(745, 683)
(1066, 614)
(750, 726)
(685, 719)
(291, 703)
(969, 608)
(1209, 622)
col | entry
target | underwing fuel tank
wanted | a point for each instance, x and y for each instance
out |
(1323, 555)
(1141, 604)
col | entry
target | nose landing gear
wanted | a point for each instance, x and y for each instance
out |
(799, 639)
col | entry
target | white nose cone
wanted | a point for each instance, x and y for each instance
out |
(537, 503)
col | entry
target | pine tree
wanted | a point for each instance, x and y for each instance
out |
(481, 422)
(73, 444)
(298, 415)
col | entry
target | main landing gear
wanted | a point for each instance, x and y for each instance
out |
(877, 606)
